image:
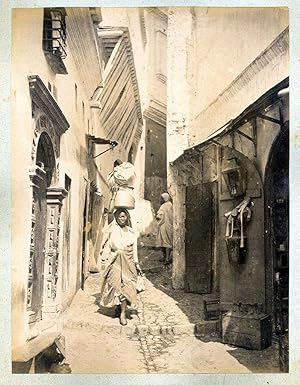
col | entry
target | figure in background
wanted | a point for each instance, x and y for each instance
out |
(164, 238)
(120, 276)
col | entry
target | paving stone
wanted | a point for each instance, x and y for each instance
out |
(127, 330)
(184, 329)
(160, 336)
(154, 330)
(142, 330)
(150, 336)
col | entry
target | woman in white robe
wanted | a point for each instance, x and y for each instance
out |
(120, 275)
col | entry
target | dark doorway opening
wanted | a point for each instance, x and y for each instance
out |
(199, 236)
(277, 240)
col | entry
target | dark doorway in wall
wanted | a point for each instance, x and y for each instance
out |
(199, 235)
(277, 239)
(155, 163)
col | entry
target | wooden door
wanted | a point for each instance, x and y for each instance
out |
(39, 213)
(198, 238)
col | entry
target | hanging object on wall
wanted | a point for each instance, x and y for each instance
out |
(234, 176)
(235, 237)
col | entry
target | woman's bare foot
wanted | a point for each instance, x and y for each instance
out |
(123, 320)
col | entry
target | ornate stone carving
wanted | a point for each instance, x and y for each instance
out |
(42, 97)
(37, 175)
(55, 197)
(57, 171)
(47, 121)
(44, 124)
(30, 263)
(29, 295)
(33, 207)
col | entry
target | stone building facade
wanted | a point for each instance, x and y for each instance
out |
(197, 99)
(228, 156)
(64, 86)
(148, 32)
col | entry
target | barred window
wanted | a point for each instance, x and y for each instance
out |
(54, 38)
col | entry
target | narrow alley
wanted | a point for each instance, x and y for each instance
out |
(142, 152)
(166, 334)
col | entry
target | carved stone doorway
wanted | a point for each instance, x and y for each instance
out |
(41, 177)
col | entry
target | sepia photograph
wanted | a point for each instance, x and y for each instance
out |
(150, 190)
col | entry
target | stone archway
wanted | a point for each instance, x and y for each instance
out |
(48, 125)
(41, 177)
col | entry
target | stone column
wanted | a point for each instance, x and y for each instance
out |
(180, 27)
(178, 194)
(54, 205)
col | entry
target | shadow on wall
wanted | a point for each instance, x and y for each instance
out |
(82, 156)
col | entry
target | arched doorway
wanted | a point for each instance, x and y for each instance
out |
(42, 178)
(277, 239)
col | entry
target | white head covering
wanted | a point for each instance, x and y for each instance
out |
(165, 196)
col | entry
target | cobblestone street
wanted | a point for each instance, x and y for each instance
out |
(159, 338)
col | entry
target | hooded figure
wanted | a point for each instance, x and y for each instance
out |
(164, 238)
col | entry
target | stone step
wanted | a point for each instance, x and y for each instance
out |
(201, 329)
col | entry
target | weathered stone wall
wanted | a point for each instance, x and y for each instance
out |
(179, 93)
(232, 72)
(214, 75)
(73, 158)
(178, 123)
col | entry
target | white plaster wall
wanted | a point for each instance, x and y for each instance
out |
(26, 27)
(28, 58)
(156, 27)
(225, 42)
(179, 93)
